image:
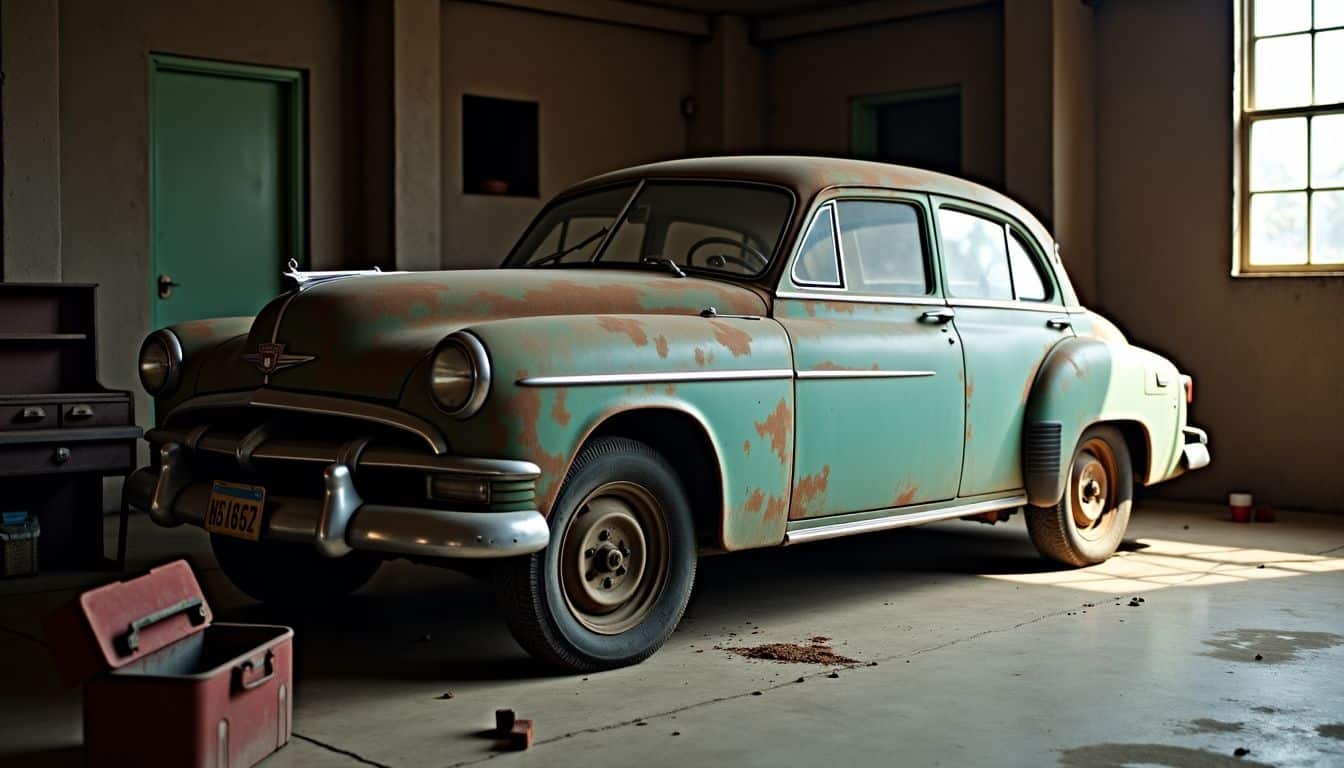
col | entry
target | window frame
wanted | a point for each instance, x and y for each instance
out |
(835, 240)
(1244, 116)
(1054, 299)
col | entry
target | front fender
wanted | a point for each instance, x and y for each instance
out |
(1086, 381)
(555, 380)
(202, 342)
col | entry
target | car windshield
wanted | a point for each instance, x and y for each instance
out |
(718, 228)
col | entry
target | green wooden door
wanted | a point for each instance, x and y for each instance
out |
(226, 187)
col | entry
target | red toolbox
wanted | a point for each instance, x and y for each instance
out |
(163, 684)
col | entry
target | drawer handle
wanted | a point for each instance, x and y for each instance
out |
(193, 607)
(60, 455)
(32, 413)
(81, 412)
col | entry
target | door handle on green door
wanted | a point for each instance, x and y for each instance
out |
(937, 316)
(166, 286)
(1059, 323)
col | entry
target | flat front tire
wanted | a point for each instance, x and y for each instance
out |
(614, 580)
(1087, 525)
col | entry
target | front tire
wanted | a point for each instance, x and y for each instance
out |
(614, 580)
(290, 574)
(1087, 525)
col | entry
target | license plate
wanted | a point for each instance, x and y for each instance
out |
(235, 510)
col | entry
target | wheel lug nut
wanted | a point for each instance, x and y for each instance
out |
(589, 575)
(604, 534)
(606, 583)
(590, 553)
(620, 571)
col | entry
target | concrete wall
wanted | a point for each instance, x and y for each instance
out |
(1266, 353)
(811, 81)
(609, 96)
(104, 129)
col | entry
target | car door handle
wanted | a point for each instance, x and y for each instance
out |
(939, 316)
(1059, 323)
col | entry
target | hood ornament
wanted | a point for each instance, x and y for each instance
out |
(270, 357)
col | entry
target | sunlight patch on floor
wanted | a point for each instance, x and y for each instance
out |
(1162, 563)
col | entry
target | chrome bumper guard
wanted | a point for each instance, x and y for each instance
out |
(1195, 454)
(341, 521)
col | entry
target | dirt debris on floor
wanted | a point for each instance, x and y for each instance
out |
(818, 651)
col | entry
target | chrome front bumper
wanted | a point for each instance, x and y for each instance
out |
(341, 521)
(1195, 453)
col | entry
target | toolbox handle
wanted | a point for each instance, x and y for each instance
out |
(240, 673)
(193, 607)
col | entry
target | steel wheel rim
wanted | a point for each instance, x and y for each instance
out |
(614, 557)
(1092, 489)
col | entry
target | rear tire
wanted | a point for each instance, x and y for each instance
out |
(290, 574)
(1088, 523)
(614, 580)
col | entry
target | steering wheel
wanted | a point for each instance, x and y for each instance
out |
(722, 258)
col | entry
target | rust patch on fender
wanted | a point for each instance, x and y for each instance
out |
(699, 356)
(778, 425)
(775, 509)
(559, 414)
(632, 328)
(810, 488)
(661, 344)
(736, 340)
(755, 501)
(970, 390)
(527, 405)
(746, 446)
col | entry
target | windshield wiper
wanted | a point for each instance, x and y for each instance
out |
(563, 252)
(665, 262)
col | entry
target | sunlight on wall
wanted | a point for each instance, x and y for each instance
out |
(1161, 563)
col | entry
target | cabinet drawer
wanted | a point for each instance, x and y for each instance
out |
(35, 416)
(78, 414)
(55, 458)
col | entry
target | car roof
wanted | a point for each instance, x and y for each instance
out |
(809, 175)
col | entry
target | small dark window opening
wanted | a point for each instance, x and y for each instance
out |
(499, 146)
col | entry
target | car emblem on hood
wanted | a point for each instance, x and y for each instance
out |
(271, 357)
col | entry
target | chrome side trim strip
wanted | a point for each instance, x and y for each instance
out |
(899, 520)
(856, 298)
(863, 374)
(596, 379)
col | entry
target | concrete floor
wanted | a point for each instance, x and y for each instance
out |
(973, 652)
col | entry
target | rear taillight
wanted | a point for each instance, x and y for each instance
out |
(1189, 384)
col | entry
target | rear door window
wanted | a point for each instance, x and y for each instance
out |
(975, 253)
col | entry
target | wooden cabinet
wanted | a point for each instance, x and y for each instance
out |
(61, 431)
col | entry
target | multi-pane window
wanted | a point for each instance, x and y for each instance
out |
(1292, 137)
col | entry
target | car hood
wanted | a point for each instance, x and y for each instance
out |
(364, 334)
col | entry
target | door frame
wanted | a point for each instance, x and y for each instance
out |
(296, 149)
(863, 115)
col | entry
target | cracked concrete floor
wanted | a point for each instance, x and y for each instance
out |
(985, 655)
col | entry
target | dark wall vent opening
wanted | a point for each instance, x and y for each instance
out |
(499, 147)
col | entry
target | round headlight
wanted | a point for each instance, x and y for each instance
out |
(459, 375)
(160, 363)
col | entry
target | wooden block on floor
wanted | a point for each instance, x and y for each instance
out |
(520, 735)
(504, 719)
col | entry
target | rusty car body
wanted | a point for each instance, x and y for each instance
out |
(686, 357)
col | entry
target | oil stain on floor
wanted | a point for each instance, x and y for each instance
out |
(1267, 646)
(1331, 730)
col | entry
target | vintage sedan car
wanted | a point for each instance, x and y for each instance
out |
(689, 357)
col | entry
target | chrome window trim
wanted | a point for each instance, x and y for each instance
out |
(835, 236)
(1029, 306)
(927, 301)
(899, 520)
(863, 374)
(598, 379)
